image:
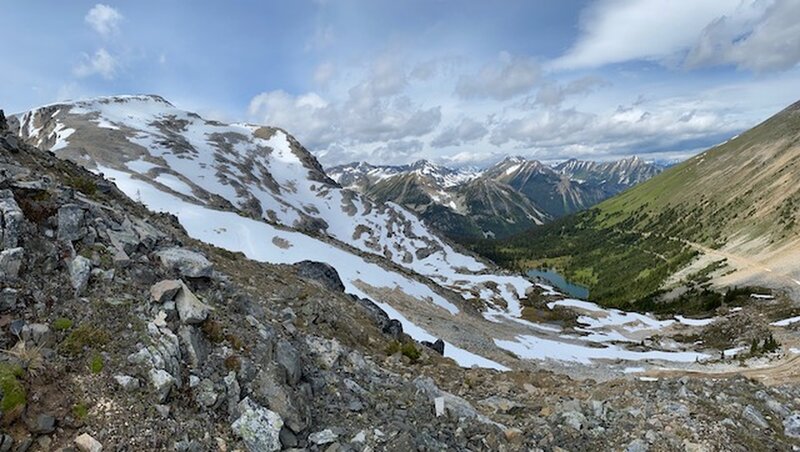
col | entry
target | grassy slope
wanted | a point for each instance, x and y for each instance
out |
(624, 248)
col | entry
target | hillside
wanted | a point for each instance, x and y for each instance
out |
(727, 215)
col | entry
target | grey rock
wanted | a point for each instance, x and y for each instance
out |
(86, 443)
(753, 415)
(195, 345)
(288, 439)
(6, 442)
(267, 391)
(637, 445)
(36, 333)
(43, 424)
(232, 392)
(325, 351)
(187, 263)
(205, 394)
(453, 404)
(323, 437)
(8, 299)
(163, 410)
(258, 427)
(437, 346)
(322, 273)
(80, 269)
(791, 425)
(11, 219)
(190, 309)
(574, 419)
(10, 263)
(127, 382)
(288, 358)
(501, 405)
(71, 223)
(163, 382)
(165, 290)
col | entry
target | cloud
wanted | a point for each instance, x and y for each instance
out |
(615, 31)
(104, 19)
(101, 63)
(670, 125)
(553, 93)
(759, 41)
(503, 79)
(466, 131)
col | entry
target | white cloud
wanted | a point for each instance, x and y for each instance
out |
(104, 19)
(757, 40)
(101, 63)
(553, 93)
(503, 79)
(614, 31)
(465, 131)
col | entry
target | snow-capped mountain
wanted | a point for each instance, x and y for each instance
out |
(262, 173)
(362, 175)
(619, 174)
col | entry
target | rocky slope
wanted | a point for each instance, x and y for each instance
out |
(121, 332)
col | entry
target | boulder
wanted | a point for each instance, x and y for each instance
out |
(80, 269)
(8, 299)
(266, 390)
(437, 346)
(165, 290)
(11, 218)
(323, 437)
(191, 310)
(86, 443)
(10, 263)
(195, 344)
(162, 382)
(127, 382)
(258, 427)
(791, 425)
(321, 273)
(71, 223)
(289, 360)
(187, 263)
(36, 334)
(326, 351)
(205, 394)
(753, 415)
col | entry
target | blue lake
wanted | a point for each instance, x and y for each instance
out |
(558, 281)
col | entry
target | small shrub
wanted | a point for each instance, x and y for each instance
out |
(83, 184)
(96, 363)
(80, 411)
(84, 335)
(410, 351)
(233, 363)
(213, 331)
(392, 348)
(62, 324)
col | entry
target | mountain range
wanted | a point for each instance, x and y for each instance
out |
(509, 197)
(726, 217)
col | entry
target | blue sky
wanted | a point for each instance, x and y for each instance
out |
(459, 82)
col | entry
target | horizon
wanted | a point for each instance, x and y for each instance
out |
(462, 85)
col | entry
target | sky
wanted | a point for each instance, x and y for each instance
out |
(462, 83)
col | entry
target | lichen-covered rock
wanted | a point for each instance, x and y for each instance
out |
(288, 358)
(165, 290)
(187, 263)
(258, 427)
(11, 218)
(86, 443)
(80, 269)
(162, 382)
(10, 263)
(71, 223)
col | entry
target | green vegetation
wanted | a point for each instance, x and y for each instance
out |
(83, 184)
(84, 335)
(80, 411)
(407, 349)
(96, 364)
(14, 394)
(768, 345)
(62, 324)
(618, 265)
